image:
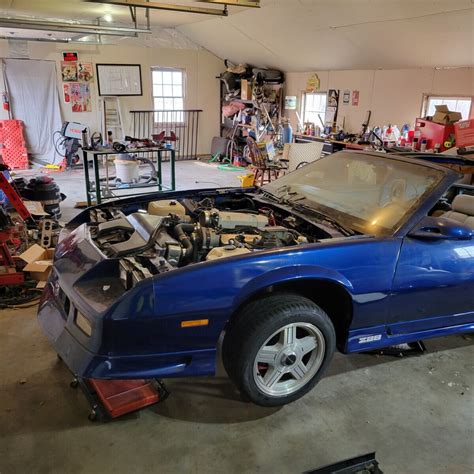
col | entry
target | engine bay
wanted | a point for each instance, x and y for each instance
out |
(168, 234)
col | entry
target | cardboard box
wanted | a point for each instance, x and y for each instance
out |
(35, 208)
(444, 116)
(464, 132)
(39, 262)
(245, 90)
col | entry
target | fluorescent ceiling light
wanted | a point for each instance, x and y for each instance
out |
(70, 27)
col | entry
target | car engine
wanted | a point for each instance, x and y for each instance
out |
(172, 234)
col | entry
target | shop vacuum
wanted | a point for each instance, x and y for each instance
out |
(45, 190)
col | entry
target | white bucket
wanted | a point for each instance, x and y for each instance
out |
(127, 171)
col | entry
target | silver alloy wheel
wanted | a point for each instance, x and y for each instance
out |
(289, 359)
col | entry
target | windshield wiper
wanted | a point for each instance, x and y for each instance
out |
(305, 208)
(288, 195)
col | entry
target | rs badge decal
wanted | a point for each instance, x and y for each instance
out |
(365, 339)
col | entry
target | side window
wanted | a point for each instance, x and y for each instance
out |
(168, 94)
(455, 104)
(314, 108)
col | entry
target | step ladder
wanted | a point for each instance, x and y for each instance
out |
(111, 116)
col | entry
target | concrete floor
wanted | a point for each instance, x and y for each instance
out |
(189, 175)
(417, 413)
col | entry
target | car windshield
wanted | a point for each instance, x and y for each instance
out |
(369, 194)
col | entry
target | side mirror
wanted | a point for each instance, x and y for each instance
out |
(440, 228)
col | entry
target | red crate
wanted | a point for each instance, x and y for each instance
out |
(11, 134)
(19, 166)
(10, 124)
(15, 158)
(10, 143)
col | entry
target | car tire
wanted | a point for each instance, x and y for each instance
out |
(277, 348)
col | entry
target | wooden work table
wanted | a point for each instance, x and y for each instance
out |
(330, 146)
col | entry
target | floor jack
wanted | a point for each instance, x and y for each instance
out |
(110, 399)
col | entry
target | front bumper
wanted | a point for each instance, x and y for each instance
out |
(83, 356)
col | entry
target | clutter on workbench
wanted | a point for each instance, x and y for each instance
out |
(431, 134)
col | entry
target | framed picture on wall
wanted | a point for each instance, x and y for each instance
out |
(119, 79)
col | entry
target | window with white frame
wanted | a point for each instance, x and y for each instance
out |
(314, 105)
(168, 94)
(454, 104)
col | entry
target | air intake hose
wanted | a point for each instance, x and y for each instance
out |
(181, 231)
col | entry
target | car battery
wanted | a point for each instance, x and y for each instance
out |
(435, 134)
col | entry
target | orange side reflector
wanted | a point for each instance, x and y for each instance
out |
(194, 322)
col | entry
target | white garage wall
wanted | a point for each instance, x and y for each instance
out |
(201, 68)
(394, 96)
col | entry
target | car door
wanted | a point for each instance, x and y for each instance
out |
(433, 285)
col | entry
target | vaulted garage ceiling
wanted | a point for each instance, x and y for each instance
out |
(296, 35)
(344, 34)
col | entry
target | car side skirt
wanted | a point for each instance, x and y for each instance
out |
(377, 337)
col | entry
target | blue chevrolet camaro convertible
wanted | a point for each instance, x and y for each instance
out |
(355, 251)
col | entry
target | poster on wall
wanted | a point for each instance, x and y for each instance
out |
(290, 102)
(355, 98)
(84, 72)
(313, 84)
(331, 107)
(346, 97)
(81, 97)
(68, 71)
(67, 93)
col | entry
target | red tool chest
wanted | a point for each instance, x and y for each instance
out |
(434, 133)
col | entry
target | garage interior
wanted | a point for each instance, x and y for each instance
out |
(132, 99)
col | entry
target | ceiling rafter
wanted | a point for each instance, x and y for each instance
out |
(234, 3)
(163, 6)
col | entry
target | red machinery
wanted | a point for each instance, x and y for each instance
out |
(9, 234)
(8, 273)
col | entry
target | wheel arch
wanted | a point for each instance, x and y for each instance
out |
(332, 296)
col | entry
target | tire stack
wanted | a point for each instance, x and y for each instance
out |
(12, 144)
